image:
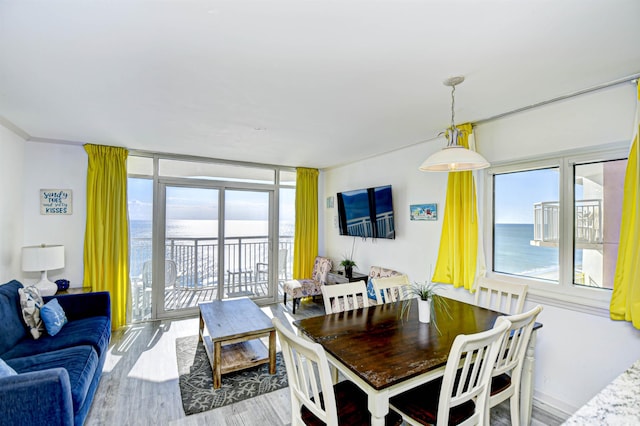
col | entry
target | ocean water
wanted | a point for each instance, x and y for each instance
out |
(513, 253)
(189, 230)
(208, 228)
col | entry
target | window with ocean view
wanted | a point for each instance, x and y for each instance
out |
(521, 245)
(557, 221)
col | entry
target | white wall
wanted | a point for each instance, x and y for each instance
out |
(577, 353)
(55, 166)
(11, 173)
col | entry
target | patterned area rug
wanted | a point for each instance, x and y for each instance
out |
(196, 381)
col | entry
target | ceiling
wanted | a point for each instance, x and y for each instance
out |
(312, 83)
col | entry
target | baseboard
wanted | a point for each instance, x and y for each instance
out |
(553, 406)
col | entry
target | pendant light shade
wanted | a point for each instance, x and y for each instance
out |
(454, 157)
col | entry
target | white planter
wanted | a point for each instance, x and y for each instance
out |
(424, 310)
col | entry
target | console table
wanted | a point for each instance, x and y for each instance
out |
(337, 277)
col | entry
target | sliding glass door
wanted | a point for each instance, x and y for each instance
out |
(203, 231)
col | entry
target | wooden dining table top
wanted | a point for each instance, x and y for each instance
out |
(385, 345)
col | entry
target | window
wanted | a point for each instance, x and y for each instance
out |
(526, 225)
(598, 209)
(556, 222)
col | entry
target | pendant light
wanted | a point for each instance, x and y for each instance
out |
(454, 157)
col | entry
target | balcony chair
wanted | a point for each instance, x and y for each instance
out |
(142, 305)
(344, 297)
(460, 396)
(507, 374)
(315, 400)
(297, 289)
(262, 268)
(500, 296)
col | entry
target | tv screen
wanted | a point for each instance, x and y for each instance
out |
(366, 213)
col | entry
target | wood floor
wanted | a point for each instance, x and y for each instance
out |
(139, 384)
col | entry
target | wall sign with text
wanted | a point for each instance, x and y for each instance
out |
(56, 201)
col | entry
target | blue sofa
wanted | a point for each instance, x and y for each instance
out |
(57, 375)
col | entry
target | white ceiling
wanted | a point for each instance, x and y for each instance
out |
(295, 82)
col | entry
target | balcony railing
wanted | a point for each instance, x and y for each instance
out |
(197, 258)
(588, 222)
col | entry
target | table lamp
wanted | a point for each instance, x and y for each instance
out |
(43, 258)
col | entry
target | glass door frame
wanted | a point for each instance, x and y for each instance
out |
(159, 240)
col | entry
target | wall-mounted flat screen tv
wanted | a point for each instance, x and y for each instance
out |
(366, 213)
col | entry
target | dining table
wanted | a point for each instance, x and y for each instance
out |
(385, 350)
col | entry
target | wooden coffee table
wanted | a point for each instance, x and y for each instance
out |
(230, 331)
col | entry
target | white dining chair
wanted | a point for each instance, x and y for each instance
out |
(345, 297)
(315, 400)
(507, 373)
(391, 289)
(500, 296)
(460, 396)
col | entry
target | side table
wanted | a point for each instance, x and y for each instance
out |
(337, 277)
(74, 290)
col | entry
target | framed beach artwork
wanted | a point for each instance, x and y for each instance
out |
(423, 211)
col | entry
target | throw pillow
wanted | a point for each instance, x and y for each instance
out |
(53, 317)
(5, 370)
(31, 302)
(371, 292)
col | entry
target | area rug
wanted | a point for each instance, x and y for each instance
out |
(196, 381)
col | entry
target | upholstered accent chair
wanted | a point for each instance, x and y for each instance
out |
(298, 289)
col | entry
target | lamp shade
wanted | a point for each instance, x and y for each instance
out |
(454, 158)
(42, 258)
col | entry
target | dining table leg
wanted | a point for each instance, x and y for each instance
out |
(378, 407)
(526, 382)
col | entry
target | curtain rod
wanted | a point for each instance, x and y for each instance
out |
(628, 79)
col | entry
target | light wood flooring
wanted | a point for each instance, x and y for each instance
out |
(139, 384)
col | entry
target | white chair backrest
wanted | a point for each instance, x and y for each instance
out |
(467, 375)
(391, 289)
(282, 263)
(170, 273)
(344, 297)
(308, 373)
(500, 296)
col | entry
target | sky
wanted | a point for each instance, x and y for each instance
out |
(202, 203)
(516, 193)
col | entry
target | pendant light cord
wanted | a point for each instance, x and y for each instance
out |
(453, 103)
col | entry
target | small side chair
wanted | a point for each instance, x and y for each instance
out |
(298, 289)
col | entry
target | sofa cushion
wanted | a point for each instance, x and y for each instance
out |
(94, 331)
(80, 362)
(12, 328)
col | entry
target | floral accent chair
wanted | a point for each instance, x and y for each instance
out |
(298, 289)
(378, 272)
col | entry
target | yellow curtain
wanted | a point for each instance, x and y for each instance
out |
(106, 241)
(305, 242)
(625, 300)
(457, 255)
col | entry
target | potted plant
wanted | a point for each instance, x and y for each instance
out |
(348, 263)
(425, 292)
